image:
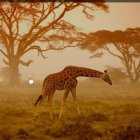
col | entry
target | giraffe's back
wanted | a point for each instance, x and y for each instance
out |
(59, 81)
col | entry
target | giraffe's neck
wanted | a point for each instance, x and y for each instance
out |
(84, 72)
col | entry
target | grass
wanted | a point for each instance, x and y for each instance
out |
(107, 113)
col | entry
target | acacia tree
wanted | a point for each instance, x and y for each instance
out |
(117, 74)
(23, 25)
(126, 47)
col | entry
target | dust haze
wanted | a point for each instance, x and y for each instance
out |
(108, 112)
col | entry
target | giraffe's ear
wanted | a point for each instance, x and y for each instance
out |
(105, 71)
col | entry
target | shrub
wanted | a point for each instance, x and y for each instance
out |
(80, 130)
(5, 135)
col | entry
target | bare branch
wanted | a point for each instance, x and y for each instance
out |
(106, 48)
(4, 53)
(70, 6)
(57, 49)
(4, 37)
(38, 48)
(17, 29)
(7, 63)
(138, 67)
(4, 14)
(13, 10)
(25, 63)
(96, 55)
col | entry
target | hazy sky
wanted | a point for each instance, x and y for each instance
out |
(120, 16)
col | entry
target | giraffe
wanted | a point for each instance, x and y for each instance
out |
(66, 80)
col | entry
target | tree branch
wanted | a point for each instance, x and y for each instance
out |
(7, 63)
(37, 34)
(4, 53)
(138, 67)
(38, 48)
(106, 48)
(25, 63)
(4, 15)
(4, 37)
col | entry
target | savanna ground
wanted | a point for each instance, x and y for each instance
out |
(108, 113)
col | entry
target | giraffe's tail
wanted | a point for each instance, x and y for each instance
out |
(39, 98)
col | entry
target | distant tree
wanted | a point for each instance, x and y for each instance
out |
(117, 74)
(125, 45)
(23, 25)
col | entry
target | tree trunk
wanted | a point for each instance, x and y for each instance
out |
(14, 73)
(133, 81)
(131, 76)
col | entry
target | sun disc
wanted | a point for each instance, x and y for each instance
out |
(31, 81)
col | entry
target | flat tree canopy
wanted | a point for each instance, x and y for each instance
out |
(126, 44)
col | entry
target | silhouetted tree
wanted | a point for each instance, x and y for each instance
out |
(125, 45)
(117, 74)
(23, 25)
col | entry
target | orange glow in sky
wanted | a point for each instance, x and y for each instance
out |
(120, 16)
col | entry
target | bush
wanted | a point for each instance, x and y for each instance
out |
(80, 130)
(22, 134)
(98, 117)
(128, 133)
(5, 135)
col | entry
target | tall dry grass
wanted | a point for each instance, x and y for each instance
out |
(108, 113)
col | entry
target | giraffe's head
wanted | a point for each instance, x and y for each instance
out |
(106, 77)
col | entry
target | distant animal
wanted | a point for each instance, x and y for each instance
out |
(66, 80)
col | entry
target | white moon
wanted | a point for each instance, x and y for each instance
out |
(31, 81)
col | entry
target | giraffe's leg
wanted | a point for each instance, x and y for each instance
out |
(37, 108)
(63, 102)
(73, 91)
(50, 97)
